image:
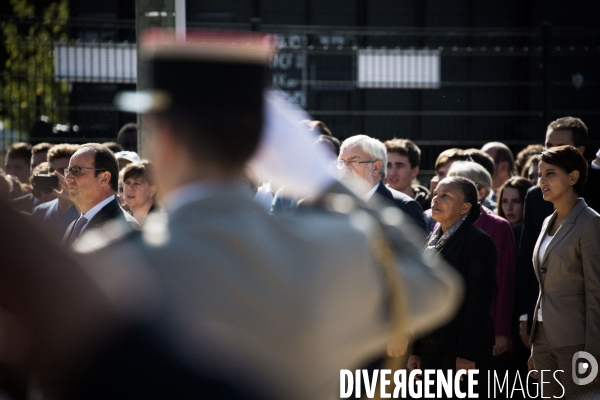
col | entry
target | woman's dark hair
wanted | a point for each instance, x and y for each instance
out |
(569, 159)
(469, 191)
(144, 169)
(516, 182)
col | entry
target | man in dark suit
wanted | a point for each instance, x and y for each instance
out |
(363, 164)
(564, 131)
(92, 179)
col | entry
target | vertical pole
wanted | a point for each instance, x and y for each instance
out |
(149, 14)
(547, 72)
(180, 25)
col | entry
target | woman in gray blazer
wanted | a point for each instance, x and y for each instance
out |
(567, 264)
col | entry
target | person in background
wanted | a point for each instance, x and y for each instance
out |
(139, 189)
(125, 158)
(92, 181)
(442, 165)
(38, 154)
(120, 194)
(113, 146)
(404, 158)
(57, 214)
(504, 164)
(128, 137)
(362, 164)
(466, 342)
(510, 206)
(566, 261)
(524, 156)
(530, 170)
(510, 203)
(504, 291)
(563, 131)
(18, 161)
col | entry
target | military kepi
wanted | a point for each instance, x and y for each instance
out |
(209, 70)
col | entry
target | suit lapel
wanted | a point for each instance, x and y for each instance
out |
(103, 214)
(536, 265)
(564, 229)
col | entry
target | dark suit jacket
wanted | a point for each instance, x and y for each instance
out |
(473, 254)
(111, 211)
(535, 211)
(402, 201)
(591, 191)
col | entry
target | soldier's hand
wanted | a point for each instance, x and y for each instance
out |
(397, 347)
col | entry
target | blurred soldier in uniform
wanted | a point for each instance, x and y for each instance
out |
(274, 307)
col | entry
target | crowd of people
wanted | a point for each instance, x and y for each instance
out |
(236, 286)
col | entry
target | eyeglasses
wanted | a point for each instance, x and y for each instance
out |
(76, 171)
(352, 164)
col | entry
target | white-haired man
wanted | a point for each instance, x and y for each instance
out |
(362, 163)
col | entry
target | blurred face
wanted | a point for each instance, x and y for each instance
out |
(512, 206)
(399, 172)
(359, 167)
(38, 158)
(442, 171)
(555, 182)
(532, 174)
(18, 167)
(86, 189)
(58, 165)
(448, 204)
(137, 192)
(129, 141)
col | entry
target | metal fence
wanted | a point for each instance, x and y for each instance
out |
(441, 87)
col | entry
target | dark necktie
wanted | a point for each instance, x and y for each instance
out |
(76, 232)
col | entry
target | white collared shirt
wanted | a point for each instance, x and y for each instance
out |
(541, 253)
(367, 196)
(95, 210)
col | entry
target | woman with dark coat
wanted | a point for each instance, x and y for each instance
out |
(466, 341)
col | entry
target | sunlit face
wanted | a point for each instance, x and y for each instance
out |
(555, 182)
(512, 207)
(138, 193)
(367, 172)
(18, 167)
(86, 189)
(448, 204)
(399, 172)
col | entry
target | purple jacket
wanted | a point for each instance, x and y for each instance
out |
(504, 292)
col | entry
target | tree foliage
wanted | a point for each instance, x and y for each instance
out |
(27, 85)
